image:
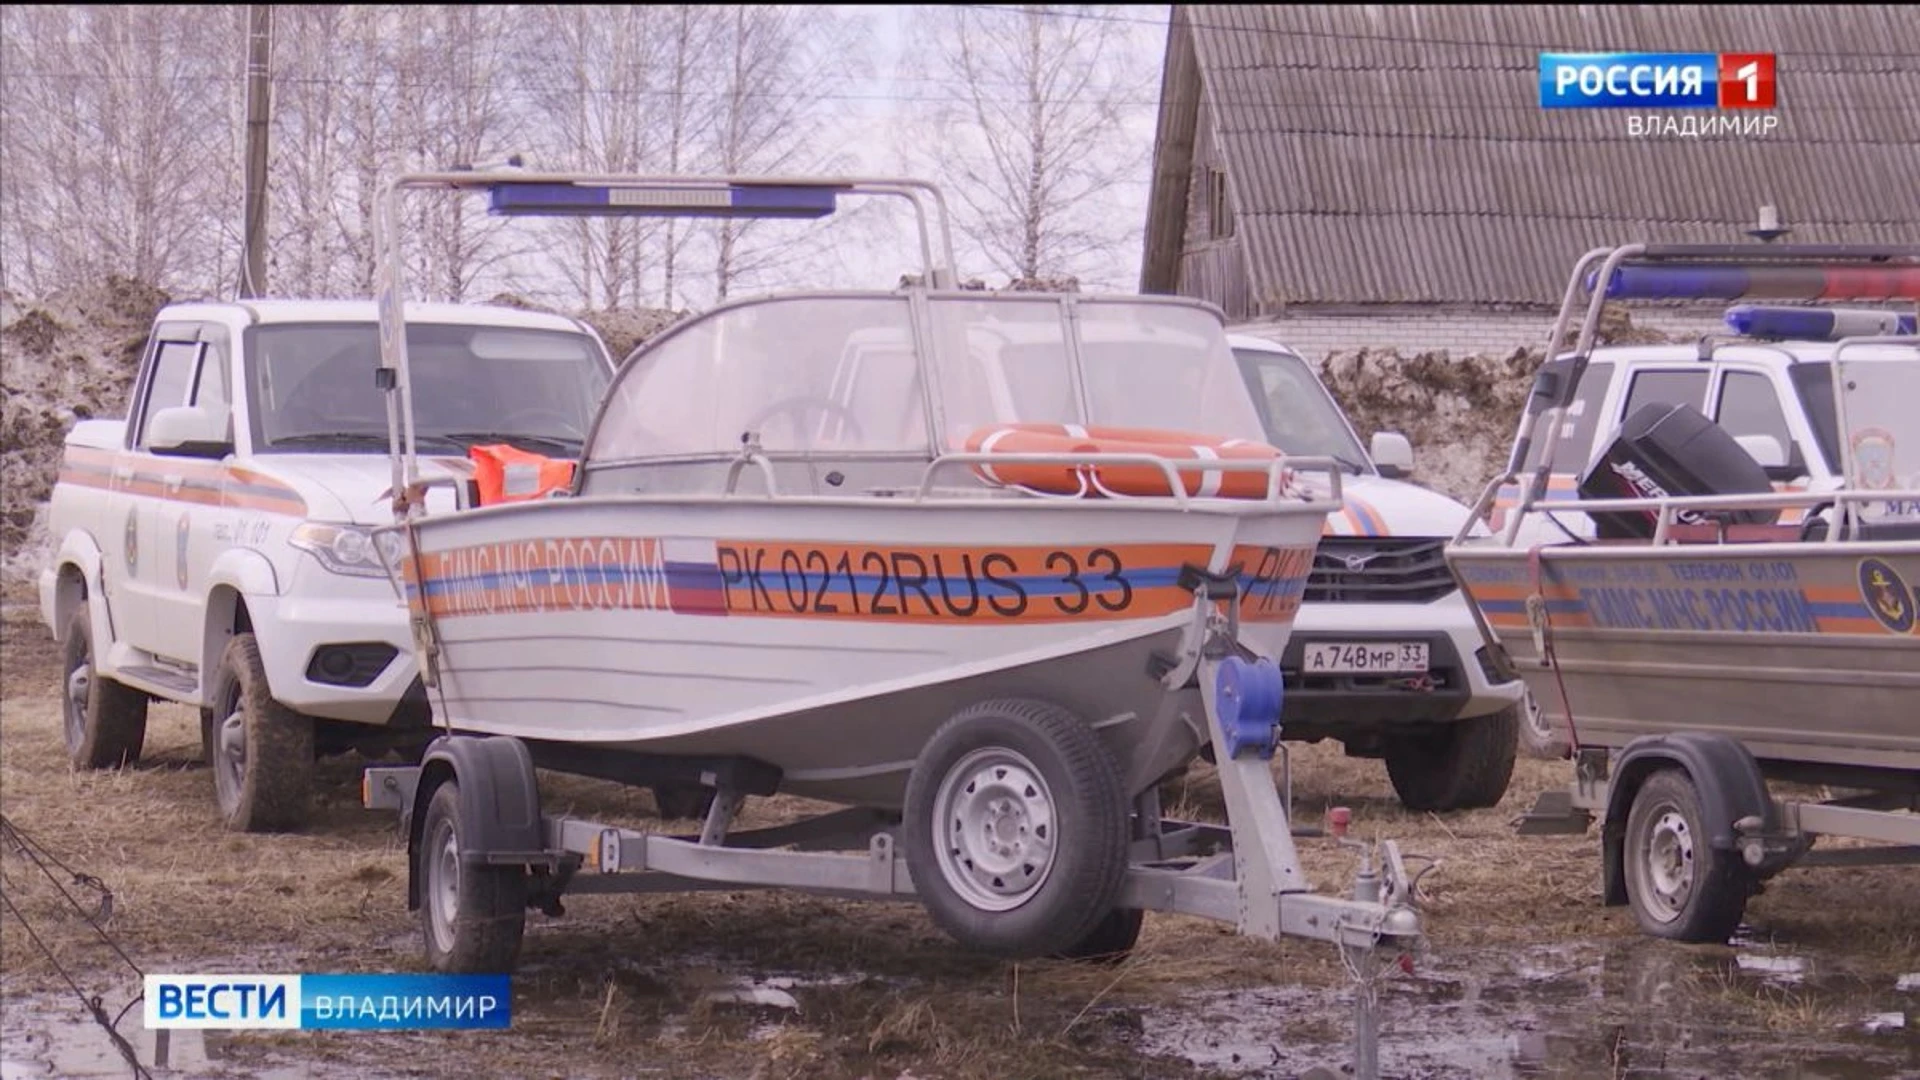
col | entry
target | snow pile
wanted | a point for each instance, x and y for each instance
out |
(1460, 413)
(67, 358)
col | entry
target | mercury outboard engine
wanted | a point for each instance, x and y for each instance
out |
(1669, 450)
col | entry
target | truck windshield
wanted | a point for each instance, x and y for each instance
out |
(312, 387)
(1299, 415)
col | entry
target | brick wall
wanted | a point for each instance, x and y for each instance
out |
(1460, 332)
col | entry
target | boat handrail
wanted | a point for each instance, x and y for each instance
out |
(1275, 469)
(752, 455)
(1667, 507)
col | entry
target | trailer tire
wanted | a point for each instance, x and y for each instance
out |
(1015, 828)
(1463, 765)
(677, 802)
(472, 915)
(1111, 939)
(104, 722)
(1679, 885)
(261, 752)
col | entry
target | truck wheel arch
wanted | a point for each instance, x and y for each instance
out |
(236, 575)
(75, 580)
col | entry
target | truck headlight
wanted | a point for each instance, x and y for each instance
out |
(342, 549)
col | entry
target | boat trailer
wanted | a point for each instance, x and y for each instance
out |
(1246, 873)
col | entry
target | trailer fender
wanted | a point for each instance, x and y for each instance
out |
(499, 802)
(1723, 772)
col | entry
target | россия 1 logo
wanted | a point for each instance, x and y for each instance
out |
(1665, 81)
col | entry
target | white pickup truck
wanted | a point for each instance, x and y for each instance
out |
(213, 547)
(1385, 654)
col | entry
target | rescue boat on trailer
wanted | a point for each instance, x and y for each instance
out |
(789, 561)
(1699, 643)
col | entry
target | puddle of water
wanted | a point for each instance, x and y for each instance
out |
(1880, 1022)
(1637, 1008)
(1787, 970)
(41, 1040)
(51, 1037)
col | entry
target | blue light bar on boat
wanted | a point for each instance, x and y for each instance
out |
(1815, 324)
(1640, 281)
(663, 200)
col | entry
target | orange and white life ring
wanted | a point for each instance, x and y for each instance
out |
(1121, 480)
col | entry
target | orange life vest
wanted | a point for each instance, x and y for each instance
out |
(505, 474)
(1121, 479)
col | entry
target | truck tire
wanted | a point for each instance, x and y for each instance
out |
(260, 751)
(1015, 829)
(1464, 765)
(105, 722)
(1541, 736)
(1680, 886)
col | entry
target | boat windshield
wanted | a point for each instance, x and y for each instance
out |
(841, 374)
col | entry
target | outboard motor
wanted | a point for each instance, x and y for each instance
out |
(1669, 450)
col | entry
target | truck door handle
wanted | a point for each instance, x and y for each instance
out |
(172, 484)
(123, 473)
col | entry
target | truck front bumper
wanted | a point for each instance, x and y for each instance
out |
(1461, 680)
(341, 657)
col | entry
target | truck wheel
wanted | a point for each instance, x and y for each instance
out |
(1015, 829)
(1680, 886)
(105, 721)
(1541, 736)
(260, 751)
(1463, 765)
(473, 915)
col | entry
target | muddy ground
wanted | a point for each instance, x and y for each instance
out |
(1528, 975)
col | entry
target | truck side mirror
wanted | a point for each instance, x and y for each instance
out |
(188, 431)
(1392, 454)
(1765, 450)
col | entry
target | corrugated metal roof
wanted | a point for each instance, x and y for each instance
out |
(1399, 154)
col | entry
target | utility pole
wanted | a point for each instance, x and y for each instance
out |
(253, 268)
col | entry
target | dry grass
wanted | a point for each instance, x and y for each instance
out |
(619, 980)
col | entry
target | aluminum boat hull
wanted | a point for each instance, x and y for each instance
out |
(830, 638)
(1808, 653)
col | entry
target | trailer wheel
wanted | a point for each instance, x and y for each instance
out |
(1680, 886)
(473, 915)
(1111, 939)
(1463, 765)
(1015, 828)
(678, 801)
(105, 721)
(260, 751)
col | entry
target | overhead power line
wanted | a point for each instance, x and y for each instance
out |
(1390, 39)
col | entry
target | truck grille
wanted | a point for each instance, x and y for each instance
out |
(1388, 571)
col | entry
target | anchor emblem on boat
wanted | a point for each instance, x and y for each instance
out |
(1886, 595)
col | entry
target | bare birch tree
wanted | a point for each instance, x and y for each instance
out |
(1029, 134)
(118, 136)
(589, 73)
(774, 86)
